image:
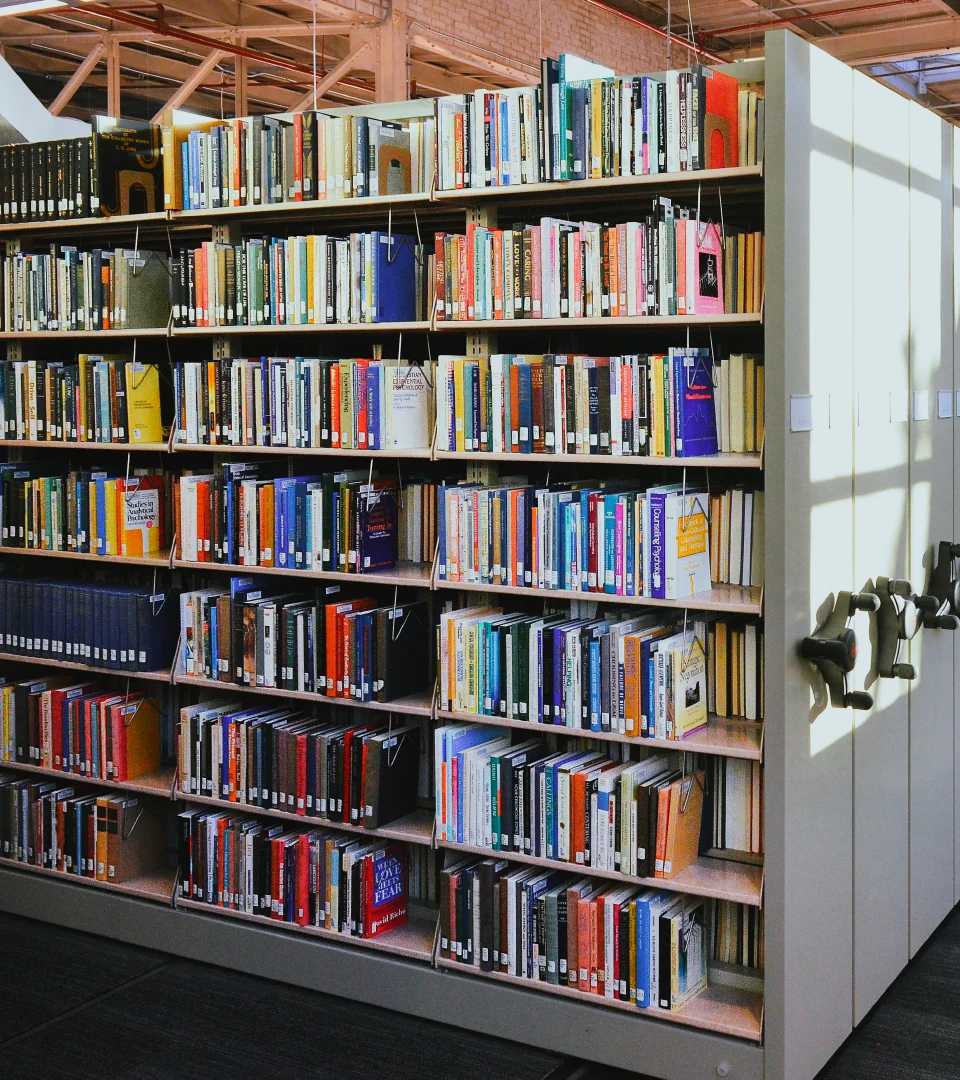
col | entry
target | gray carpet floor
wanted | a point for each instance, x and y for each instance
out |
(78, 1007)
(86, 1008)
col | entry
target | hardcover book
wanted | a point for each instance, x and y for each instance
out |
(386, 890)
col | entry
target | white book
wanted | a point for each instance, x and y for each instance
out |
(686, 544)
(408, 405)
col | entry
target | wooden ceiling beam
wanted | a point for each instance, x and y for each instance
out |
(484, 65)
(77, 79)
(332, 77)
(187, 87)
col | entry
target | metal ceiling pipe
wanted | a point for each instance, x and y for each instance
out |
(818, 15)
(692, 46)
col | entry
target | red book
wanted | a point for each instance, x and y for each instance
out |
(439, 247)
(302, 898)
(334, 406)
(721, 130)
(385, 891)
(360, 401)
(466, 294)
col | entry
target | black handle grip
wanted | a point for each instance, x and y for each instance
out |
(866, 601)
(841, 650)
(955, 550)
(904, 671)
(926, 602)
(858, 699)
(899, 587)
(942, 622)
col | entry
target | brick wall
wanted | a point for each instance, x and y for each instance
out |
(512, 29)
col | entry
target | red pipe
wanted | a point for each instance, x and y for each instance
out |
(162, 29)
(666, 34)
(800, 18)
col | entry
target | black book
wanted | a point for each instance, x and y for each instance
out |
(391, 775)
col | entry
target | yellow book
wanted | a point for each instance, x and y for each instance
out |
(311, 305)
(758, 408)
(213, 419)
(139, 512)
(748, 282)
(143, 403)
(94, 534)
(595, 171)
(111, 545)
(750, 404)
(346, 405)
(101, 837)
(741, 271)
(140, 738)
(459, 409)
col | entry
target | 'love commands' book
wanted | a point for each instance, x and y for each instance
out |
(385, 900)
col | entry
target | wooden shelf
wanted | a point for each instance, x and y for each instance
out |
(413, 940)
(713, 461)
(722, 737)
(161, 560)
(29, 335)
(727, 1010)
(343, 208)
(409, 575)
(301, 328)
(721, 879)
(736, 599)
(49, 661)
(59, 444)
(423, 453)
(619, 185)
(114, 221)
(158, 885)
(415, 828)
(414, 705)
(159, 783)
(469, 326)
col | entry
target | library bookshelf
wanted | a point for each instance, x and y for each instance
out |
(854, 877)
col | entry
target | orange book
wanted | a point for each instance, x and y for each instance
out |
(107, 309)
(135, 738)
(664, 798)
(213, 418)
(265, 523)
(683, 828)
(514, 425)
(297, 159)
(468, 284)
(596, 945)
(203, 521)
(578, 785)
(498, 273)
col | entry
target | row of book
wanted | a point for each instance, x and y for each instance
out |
(659, 405)
(127, 627)
(366, 277)
(642, 676)
(251, 514)
(316, 878)
(258, 636)
(647, 947)
(285, 759)
(93, 399)
(575, 536)
(117, 171)
(736, 785)
(584, 122)
(98, 835)
(83, 510)
(67, 289)
(295, 157)
(81, 728)
(736, 537)
(739, 402)
(744, 276)
(669, 263)
(735, 668)
(351, 404)
(640, 818)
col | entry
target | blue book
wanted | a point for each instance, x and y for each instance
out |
(696, 412)
(609, 543)
(525, 408)
(185, 175)
(214, 653)
(504, 132)
(642, 974)
(394, 275)
(577, 120)
(101, 515)
(594, 684)
(374, 434)
(658, 577)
